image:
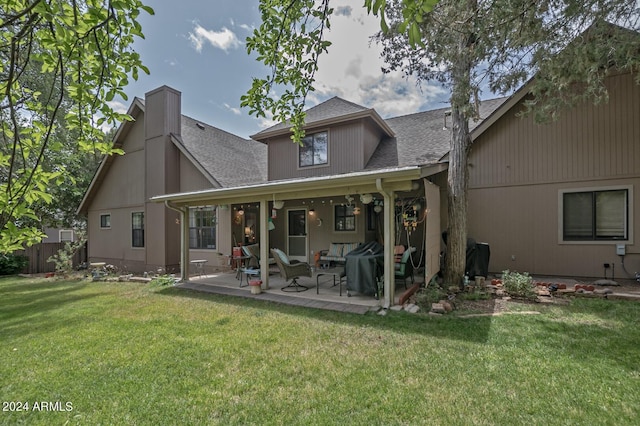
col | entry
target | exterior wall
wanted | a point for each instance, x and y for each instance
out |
(121, 193)
(346, 152)
(190, 178)
(518, 167)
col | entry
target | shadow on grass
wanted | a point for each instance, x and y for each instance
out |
(26, 306)
(468, 330)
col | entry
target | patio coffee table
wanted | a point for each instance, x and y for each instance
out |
(335, 272)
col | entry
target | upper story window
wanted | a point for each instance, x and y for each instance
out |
(313, 151)
(595, 215)
(137, 229)
(202, 227)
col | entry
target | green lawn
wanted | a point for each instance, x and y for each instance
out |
(125, 353)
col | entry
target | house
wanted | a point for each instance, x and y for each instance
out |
(560, 198)
(557, 199)
(165, 152)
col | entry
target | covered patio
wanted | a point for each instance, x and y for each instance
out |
(326, 296)
(387, 185)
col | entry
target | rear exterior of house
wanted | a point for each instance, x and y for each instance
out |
(128, 231)
(561, 198)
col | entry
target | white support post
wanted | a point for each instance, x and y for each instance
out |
(264, 243)
(184, 244)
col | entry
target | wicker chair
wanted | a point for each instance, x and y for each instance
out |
(291, 270)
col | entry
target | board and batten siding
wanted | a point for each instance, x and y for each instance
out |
(518, 170)
(345, 153)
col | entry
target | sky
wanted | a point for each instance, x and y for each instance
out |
(198, 48)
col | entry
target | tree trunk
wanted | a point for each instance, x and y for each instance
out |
(458, 177)
(457, 183)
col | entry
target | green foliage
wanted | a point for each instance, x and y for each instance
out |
(163, 280)
(201, 359)
(518, 284)
(12, 263)
(431, 293)
(64, 258)
(61, 63)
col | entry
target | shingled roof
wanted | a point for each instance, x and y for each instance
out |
(334, 110)
(422, 138)
(227, 159)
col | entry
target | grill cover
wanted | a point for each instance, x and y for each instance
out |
(363, 265)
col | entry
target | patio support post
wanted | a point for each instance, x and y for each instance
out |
(389, 241)
(184, 240)
(264, 243)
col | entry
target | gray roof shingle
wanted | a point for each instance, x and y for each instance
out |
(421, 138)
(229, 159)
(333, 108)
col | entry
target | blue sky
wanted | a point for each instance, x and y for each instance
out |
(198, 48)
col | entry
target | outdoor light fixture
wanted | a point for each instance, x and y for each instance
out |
(366, 198)
(241, 211)
(312, 212)
(278, 204)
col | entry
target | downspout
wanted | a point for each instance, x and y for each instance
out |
(184, 234)
(389, 267)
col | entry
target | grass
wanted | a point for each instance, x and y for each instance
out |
(125, 353)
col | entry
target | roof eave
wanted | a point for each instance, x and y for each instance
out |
(369, 113)
(398, 179)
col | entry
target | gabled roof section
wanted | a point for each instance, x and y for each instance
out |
(333, 111)
(225, 159)
(422, 138)
(135, 109)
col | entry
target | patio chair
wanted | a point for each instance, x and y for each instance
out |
(291, 270)
(404, 268)
(253, 253)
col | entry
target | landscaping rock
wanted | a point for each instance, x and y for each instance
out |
(396, 307)
(448, 307)
(438, 308)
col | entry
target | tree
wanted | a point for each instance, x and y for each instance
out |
(60, 62)
(465, 45)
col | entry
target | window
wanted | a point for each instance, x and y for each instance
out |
(137, 229)
(313, 151)
(202, 228)
(105, 221)
(595, 215)
(345, 219)
(66, 235)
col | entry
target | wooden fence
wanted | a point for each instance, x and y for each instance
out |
(39, 253)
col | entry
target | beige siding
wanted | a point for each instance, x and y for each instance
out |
(347, 152)
(190, 178)
(586, 143)
(517, 169)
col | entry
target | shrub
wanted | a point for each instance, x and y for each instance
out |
(432, 293)
(64, 258)
(163, 280)
(518, 285)
(12, 263)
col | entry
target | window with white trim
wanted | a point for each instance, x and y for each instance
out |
(599, 215)
(66, 235)
(202, 227)
(313, 151)
(344, 218)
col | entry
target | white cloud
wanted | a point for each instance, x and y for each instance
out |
(352, 69)
(224, 39)
(236, 111)
(118, 107)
